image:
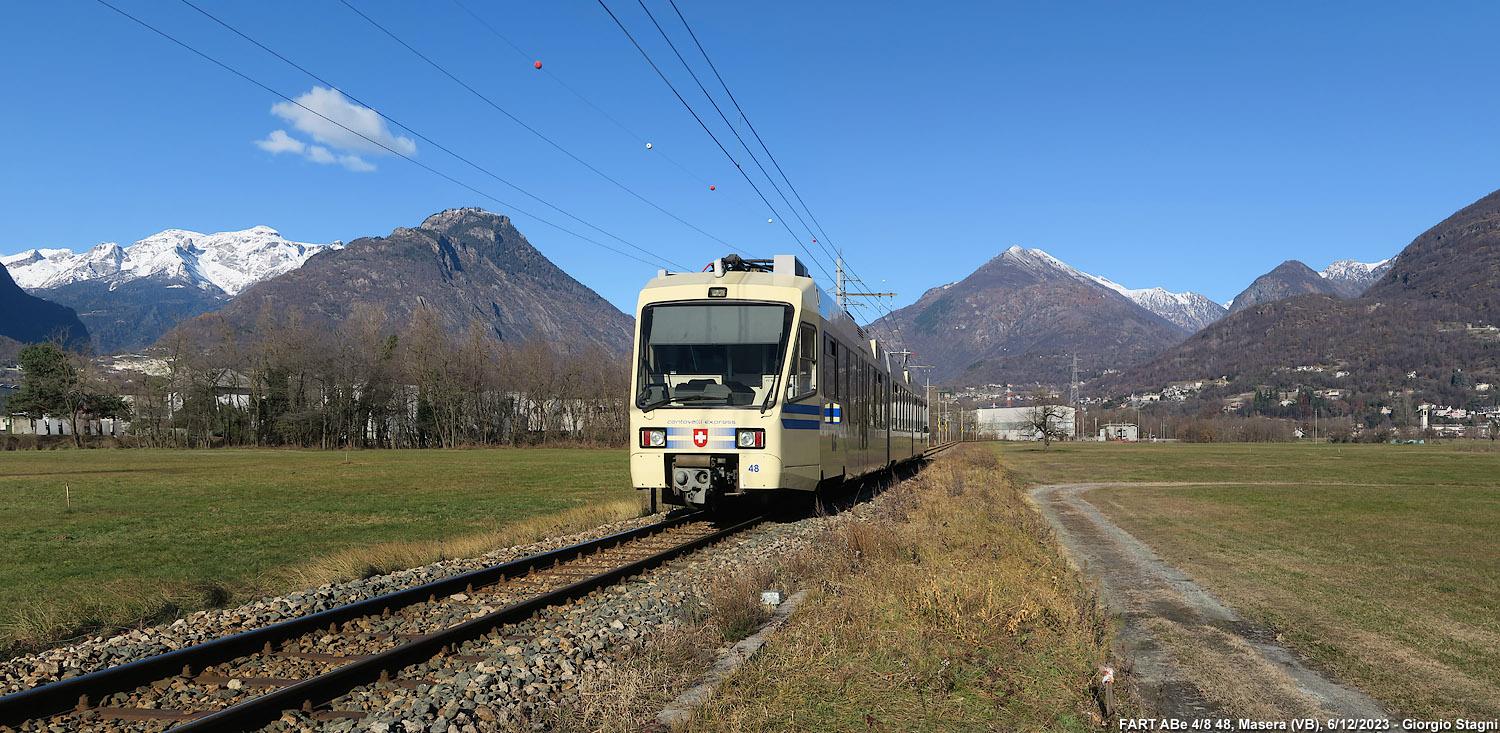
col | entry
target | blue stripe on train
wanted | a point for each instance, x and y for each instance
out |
(801, 409)
(791, 424)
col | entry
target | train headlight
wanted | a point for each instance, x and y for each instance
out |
(750, 438)
(653, 438)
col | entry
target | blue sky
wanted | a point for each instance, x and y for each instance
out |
(1188, 145)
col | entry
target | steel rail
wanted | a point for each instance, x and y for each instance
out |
(78, 692)
(324, 688)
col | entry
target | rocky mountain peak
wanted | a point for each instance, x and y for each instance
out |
(468, 266)
(1289, 278)
(450, 218)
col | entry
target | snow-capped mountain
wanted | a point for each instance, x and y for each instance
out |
(1342, 279)
(1022, 317)
(129, 296)
(1359, 275)
(225, 261)
(1188, 310)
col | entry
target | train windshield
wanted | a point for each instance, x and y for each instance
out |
(711, 354)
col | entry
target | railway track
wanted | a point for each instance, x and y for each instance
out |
(249, 680)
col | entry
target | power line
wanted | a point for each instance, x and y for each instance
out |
(892, 328)
(726, 152)
(825, 242)
(753, 131)
(424, 138)
(368, 139)
(724, 117)
(548, 71)
(527, 127)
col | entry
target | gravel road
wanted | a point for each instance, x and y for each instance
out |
(1191, 655)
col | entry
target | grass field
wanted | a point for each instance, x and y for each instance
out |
(1381, 563)
(100, 537)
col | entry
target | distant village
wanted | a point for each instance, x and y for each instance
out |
(1299, 397)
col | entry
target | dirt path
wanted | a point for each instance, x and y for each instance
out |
(1191, 656)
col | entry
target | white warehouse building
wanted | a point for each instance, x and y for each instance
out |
(1011, 423)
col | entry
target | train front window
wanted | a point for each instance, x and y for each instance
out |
(711, 354)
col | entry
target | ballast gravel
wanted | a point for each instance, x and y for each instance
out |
(526, 668)
(541, 662)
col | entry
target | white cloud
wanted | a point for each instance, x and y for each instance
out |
(331, 119)
(319, 154)
(355, 163)
(280, 142)
(344, 130)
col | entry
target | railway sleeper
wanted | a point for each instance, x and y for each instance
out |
(321, 657)
(221, 680)
(148, 714)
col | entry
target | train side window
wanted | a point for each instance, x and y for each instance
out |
(805, 370)
(831, 371)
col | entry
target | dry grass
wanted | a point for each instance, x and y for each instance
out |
(385, 557)
(35, 624)
(734, 607)
(950, 609)
(625, 696)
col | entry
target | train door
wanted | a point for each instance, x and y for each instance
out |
(832, 449)
(803, 411)
(862, 406)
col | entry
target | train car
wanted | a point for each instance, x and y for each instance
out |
(748, 381)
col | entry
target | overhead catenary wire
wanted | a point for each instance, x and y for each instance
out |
(527, 127)
(724, 117)
(368, 139)
(602, 112)
(423, 137)
(892, 327)
(715, 138)
(820, 234)
(753, 131)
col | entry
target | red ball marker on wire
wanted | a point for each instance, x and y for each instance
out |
(538, 64)
(710, 188)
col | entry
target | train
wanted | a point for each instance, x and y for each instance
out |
(750, 382)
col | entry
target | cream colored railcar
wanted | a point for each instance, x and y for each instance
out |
(748, 379)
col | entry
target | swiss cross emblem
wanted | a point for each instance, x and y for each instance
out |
(700, 437)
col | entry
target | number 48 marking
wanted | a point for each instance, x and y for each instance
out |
(753, 468)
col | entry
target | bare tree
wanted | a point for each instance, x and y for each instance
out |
(1048, 421)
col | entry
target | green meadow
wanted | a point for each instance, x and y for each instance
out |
(99, 538)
